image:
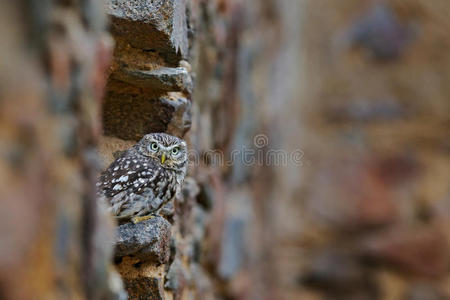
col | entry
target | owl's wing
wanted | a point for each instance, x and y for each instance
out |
(128, 173)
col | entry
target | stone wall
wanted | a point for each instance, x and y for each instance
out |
(149, 89)
(54, 244)
(358, 87)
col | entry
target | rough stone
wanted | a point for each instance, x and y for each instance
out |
(147, 240)
(176, 278)
(54, 242)
(184, 203)
(382, 33)
(186, 199)
(144, 288)
(131, 116)
(162, 79)
(202, 282)
(156, 26)
(181, 119)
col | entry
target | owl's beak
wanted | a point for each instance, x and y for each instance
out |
(163, 158)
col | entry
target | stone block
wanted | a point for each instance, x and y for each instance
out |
(177, 277)
(130, 116)
(148, 240)
(156, 26)
(162, 79)
(382, 33)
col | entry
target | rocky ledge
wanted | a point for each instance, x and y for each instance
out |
(148, 240)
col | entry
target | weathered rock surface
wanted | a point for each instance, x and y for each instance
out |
(161, 79)
(176, 278)
(149, 89)
(156, 26)
(374, 139)
(130, 116)
(144, 288)
(381, 33)
(147, 240)
(54, 241)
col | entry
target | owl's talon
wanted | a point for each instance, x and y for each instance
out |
(136, 220)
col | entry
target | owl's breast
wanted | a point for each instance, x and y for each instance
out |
(166, 185)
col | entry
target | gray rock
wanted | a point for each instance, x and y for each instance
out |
(157, 25)
(233, 251)
(181, 118)
(177, 277)
(382, 33)
(148, 240)
(202, 282)
(162, 79)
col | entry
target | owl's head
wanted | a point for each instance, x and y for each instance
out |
(168, 151)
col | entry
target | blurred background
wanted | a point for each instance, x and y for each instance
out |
(329, 122)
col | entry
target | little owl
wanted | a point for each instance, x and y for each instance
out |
(145, 177)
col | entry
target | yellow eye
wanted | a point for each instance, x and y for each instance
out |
(154, 146)
(175, 150)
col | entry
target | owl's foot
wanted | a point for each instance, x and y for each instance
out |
(136, 220)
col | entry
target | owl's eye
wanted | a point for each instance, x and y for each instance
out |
(154, 146)
(175, 150)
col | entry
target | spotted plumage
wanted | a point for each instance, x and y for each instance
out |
(145, 177)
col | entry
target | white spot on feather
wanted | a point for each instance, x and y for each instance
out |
(123, 178)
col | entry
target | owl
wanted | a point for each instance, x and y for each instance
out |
(144, 178)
